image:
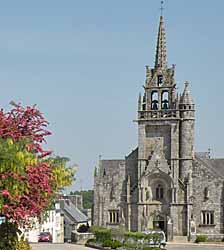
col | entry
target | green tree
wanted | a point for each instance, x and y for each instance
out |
(29, 178)
(87, 196)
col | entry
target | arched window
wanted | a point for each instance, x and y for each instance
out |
(159, 192)
(155, 101)
(104, 172)
(165, 100)
(160, 80)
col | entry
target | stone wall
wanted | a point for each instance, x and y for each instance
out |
(109, 189)
(208, 192)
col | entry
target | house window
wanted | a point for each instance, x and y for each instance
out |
(159, 192)
(113, 216)
(207, 217)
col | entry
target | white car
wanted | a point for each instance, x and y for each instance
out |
(155, 241)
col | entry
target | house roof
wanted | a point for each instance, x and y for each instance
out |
(74, 214)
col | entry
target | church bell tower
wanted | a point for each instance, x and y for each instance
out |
(165, 148)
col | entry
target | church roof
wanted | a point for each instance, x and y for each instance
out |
(112, 165)
(109, 168)
(218, 165)
(215, 165)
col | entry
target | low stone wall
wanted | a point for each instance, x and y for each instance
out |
(214, 237)
(81, 238)
(94, 246)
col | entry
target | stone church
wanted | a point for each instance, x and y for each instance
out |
(163, 183)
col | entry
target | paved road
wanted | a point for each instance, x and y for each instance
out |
(194, 247)
(45, 246)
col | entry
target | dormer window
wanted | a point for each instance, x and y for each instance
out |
(160, 80)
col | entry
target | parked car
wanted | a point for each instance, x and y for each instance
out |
(157, 239)
(45, 237)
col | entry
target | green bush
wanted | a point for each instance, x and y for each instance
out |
(151, 248)
(201, 238)
(113, 244)
(8, 237)
(107, 243)
(130, 246)
(134, 235)
(118, 233)
(23, 245)
(116, 244)
(156, 237)
(90, 241)
(101, 234)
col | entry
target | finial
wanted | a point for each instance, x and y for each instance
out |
(162, 8)
(209, 152)
(186, 83)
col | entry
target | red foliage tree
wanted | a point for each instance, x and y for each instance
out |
(26, 191)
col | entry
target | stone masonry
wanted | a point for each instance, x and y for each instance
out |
(163, 184)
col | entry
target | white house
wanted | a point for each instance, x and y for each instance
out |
(54, 224)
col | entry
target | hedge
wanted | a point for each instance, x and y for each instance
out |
(101, 234)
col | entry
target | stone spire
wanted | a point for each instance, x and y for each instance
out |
(186, 97)
(161, 58)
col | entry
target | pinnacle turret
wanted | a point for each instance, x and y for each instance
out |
(186, 97)
(161, 58)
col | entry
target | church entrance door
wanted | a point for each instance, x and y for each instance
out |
(159, 223)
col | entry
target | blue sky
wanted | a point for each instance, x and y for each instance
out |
(83, 63)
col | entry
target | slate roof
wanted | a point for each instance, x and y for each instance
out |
(112, 164)
(215, 165)
(74, 214)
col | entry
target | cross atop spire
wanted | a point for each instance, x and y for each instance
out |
(162, 8)
(161, 58)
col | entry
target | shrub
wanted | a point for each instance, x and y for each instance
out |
(116, 244)
(90, 241)
(83, 229)
(107, 243)
(151, 248)
(135, 235)
(118, 233)
(201, 238)
(156, 237)
(130, 246)
(113, 244)
(23, 245)
(8, 237)
(101, 234)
